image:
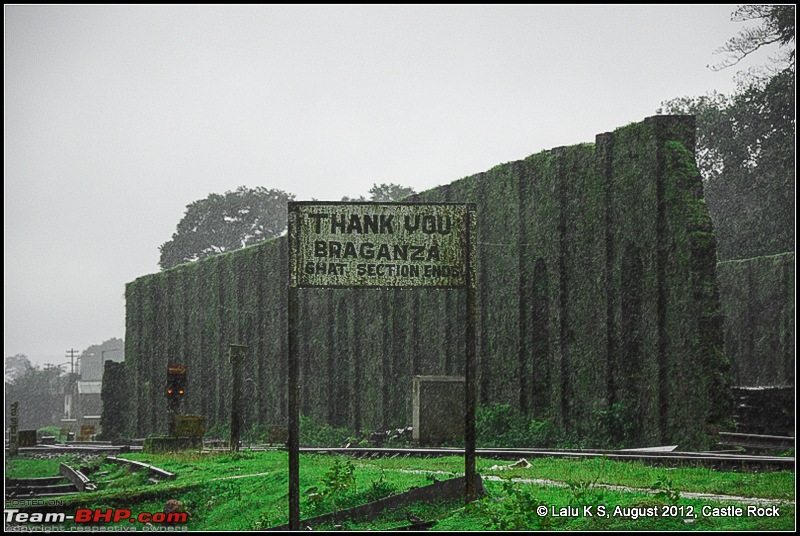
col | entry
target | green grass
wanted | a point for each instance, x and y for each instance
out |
(513, 507)
(20, 467)
(245, 491)
(776, 485)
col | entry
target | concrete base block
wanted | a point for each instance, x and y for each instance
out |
(438, 409)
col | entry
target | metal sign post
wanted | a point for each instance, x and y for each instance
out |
(470, 390)
(379, 245)
(293, 443)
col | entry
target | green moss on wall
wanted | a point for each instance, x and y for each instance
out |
(596, 291)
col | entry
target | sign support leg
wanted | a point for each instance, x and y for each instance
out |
(294, 416)
(469, 377)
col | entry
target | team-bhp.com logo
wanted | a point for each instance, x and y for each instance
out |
(86, 515)
(96, 515)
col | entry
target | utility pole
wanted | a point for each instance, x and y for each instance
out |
(71, 355)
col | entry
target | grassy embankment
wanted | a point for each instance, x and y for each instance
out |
(249, 490)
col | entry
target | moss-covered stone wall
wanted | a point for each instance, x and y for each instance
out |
(596, 287)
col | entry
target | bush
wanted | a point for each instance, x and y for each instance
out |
(499, 425)
(615, 426)
(258, 433)
(219, 431)
(339, 491)
(51, 431)
(317, 434)
(516, 510)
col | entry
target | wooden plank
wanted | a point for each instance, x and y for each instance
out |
(452, 489)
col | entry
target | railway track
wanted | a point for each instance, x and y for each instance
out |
(70, 481)
(725, 460)
(79, 449)
(721, 461)
(756, 441)
(29, 488)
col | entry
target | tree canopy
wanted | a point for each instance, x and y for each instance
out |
(776, 26)
(16, 365)
(40, 396)
(384, 193)
(224, 222)
(746, 145)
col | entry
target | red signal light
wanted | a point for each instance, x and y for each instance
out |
(176, 382)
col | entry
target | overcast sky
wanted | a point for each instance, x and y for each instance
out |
(117, 117)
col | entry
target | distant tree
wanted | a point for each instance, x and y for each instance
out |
(385, 193)
(16, 365)
(776, 26)
(40, 396)
(390, 192)
(353, 199)
(221, 223)
(746, 144)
